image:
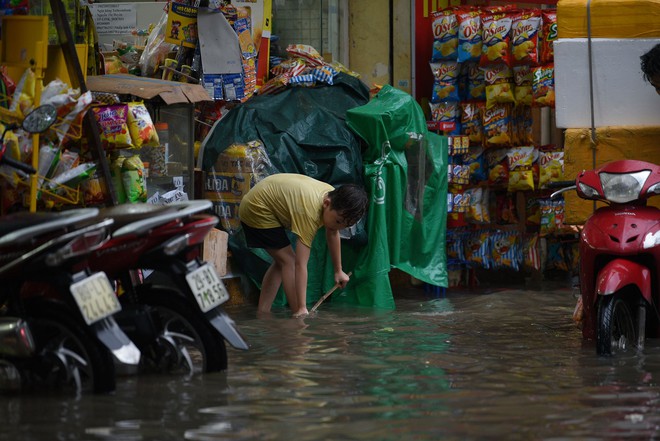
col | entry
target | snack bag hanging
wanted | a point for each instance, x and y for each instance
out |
(499, 85)
(548, 35)
(476, 82)
(113, 125)
(496, 46)
(141, 127)
(497, 124)
(522, 91)
(445, 35)
(551, 166)
(543, 86)
(471, 112)
(445, 76)
(469, 34)
(521, 174)
(524, 37)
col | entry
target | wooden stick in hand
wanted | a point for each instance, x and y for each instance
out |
(326, 295)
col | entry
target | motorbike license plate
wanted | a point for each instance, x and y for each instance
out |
(208, 289)
(95, 297)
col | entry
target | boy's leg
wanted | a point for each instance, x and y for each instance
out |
(281, 272)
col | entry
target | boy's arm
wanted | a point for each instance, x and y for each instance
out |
(334, 246)
(302, 258)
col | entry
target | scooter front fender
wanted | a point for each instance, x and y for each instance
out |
(226, 327)
(110, 334)
(620, 273)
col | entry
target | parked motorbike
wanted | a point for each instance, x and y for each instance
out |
(178, 323)
(620, 256)
(56, 316)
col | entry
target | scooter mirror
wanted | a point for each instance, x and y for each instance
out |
(40, 119)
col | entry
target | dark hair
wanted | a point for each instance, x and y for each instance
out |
(651, 63)
(350, 201)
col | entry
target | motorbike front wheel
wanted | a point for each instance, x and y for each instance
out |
(187, 343)
(616, 325)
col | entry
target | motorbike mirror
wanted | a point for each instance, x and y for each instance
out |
(40, 119)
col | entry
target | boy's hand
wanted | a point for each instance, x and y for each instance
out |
(341, 278)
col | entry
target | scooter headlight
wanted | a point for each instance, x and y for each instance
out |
(625, 187)
(588, 191)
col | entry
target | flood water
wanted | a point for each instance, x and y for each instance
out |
(505, 364)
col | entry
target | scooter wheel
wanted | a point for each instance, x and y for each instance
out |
(616, 326)
(68, 354)
(187, 341)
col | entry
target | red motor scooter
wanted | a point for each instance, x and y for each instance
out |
(620, 256)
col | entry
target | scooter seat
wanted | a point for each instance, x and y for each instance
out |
(127, 213)
(17, 221)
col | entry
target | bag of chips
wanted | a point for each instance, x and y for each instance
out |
(142, 129)
(113, 125)
(524, 37)
(445, 35)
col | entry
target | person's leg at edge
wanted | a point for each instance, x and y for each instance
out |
(281, 272)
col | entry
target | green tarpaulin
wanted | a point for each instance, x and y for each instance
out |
(313, 131)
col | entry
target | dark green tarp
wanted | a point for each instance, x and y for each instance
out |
(304, 130)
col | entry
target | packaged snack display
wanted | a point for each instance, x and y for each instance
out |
(445, 35)
(113, 125)
(142, 129)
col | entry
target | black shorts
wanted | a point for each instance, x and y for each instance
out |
(273, 238)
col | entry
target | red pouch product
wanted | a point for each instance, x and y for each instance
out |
(524, 37)
(445, 35)
(469, 34)
(497, 124)
(543, 86)
(548, 35)
(496, 46)
(499, 85)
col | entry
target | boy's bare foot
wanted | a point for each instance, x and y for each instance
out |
(301, 313)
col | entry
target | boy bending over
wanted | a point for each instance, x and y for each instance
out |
(302, 205)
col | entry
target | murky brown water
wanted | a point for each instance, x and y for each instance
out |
(504, 365)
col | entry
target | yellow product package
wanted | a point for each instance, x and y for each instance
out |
(141, 127)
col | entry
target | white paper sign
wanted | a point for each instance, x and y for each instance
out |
(114, 18)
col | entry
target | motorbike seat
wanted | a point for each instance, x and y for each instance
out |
(128, 213)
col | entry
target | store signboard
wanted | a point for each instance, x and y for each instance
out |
(114, 18)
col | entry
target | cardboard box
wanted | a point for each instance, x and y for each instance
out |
(215, 250)
(227, 211)
(218, 186)
(609, 19)
(171, 92)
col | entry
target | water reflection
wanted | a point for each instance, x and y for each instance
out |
(502, 365)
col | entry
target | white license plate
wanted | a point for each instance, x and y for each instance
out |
(208, 289)
(95, 297)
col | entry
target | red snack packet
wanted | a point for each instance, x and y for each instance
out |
(524, 37)
(548, 35)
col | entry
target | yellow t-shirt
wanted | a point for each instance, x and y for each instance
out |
(287, 200)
